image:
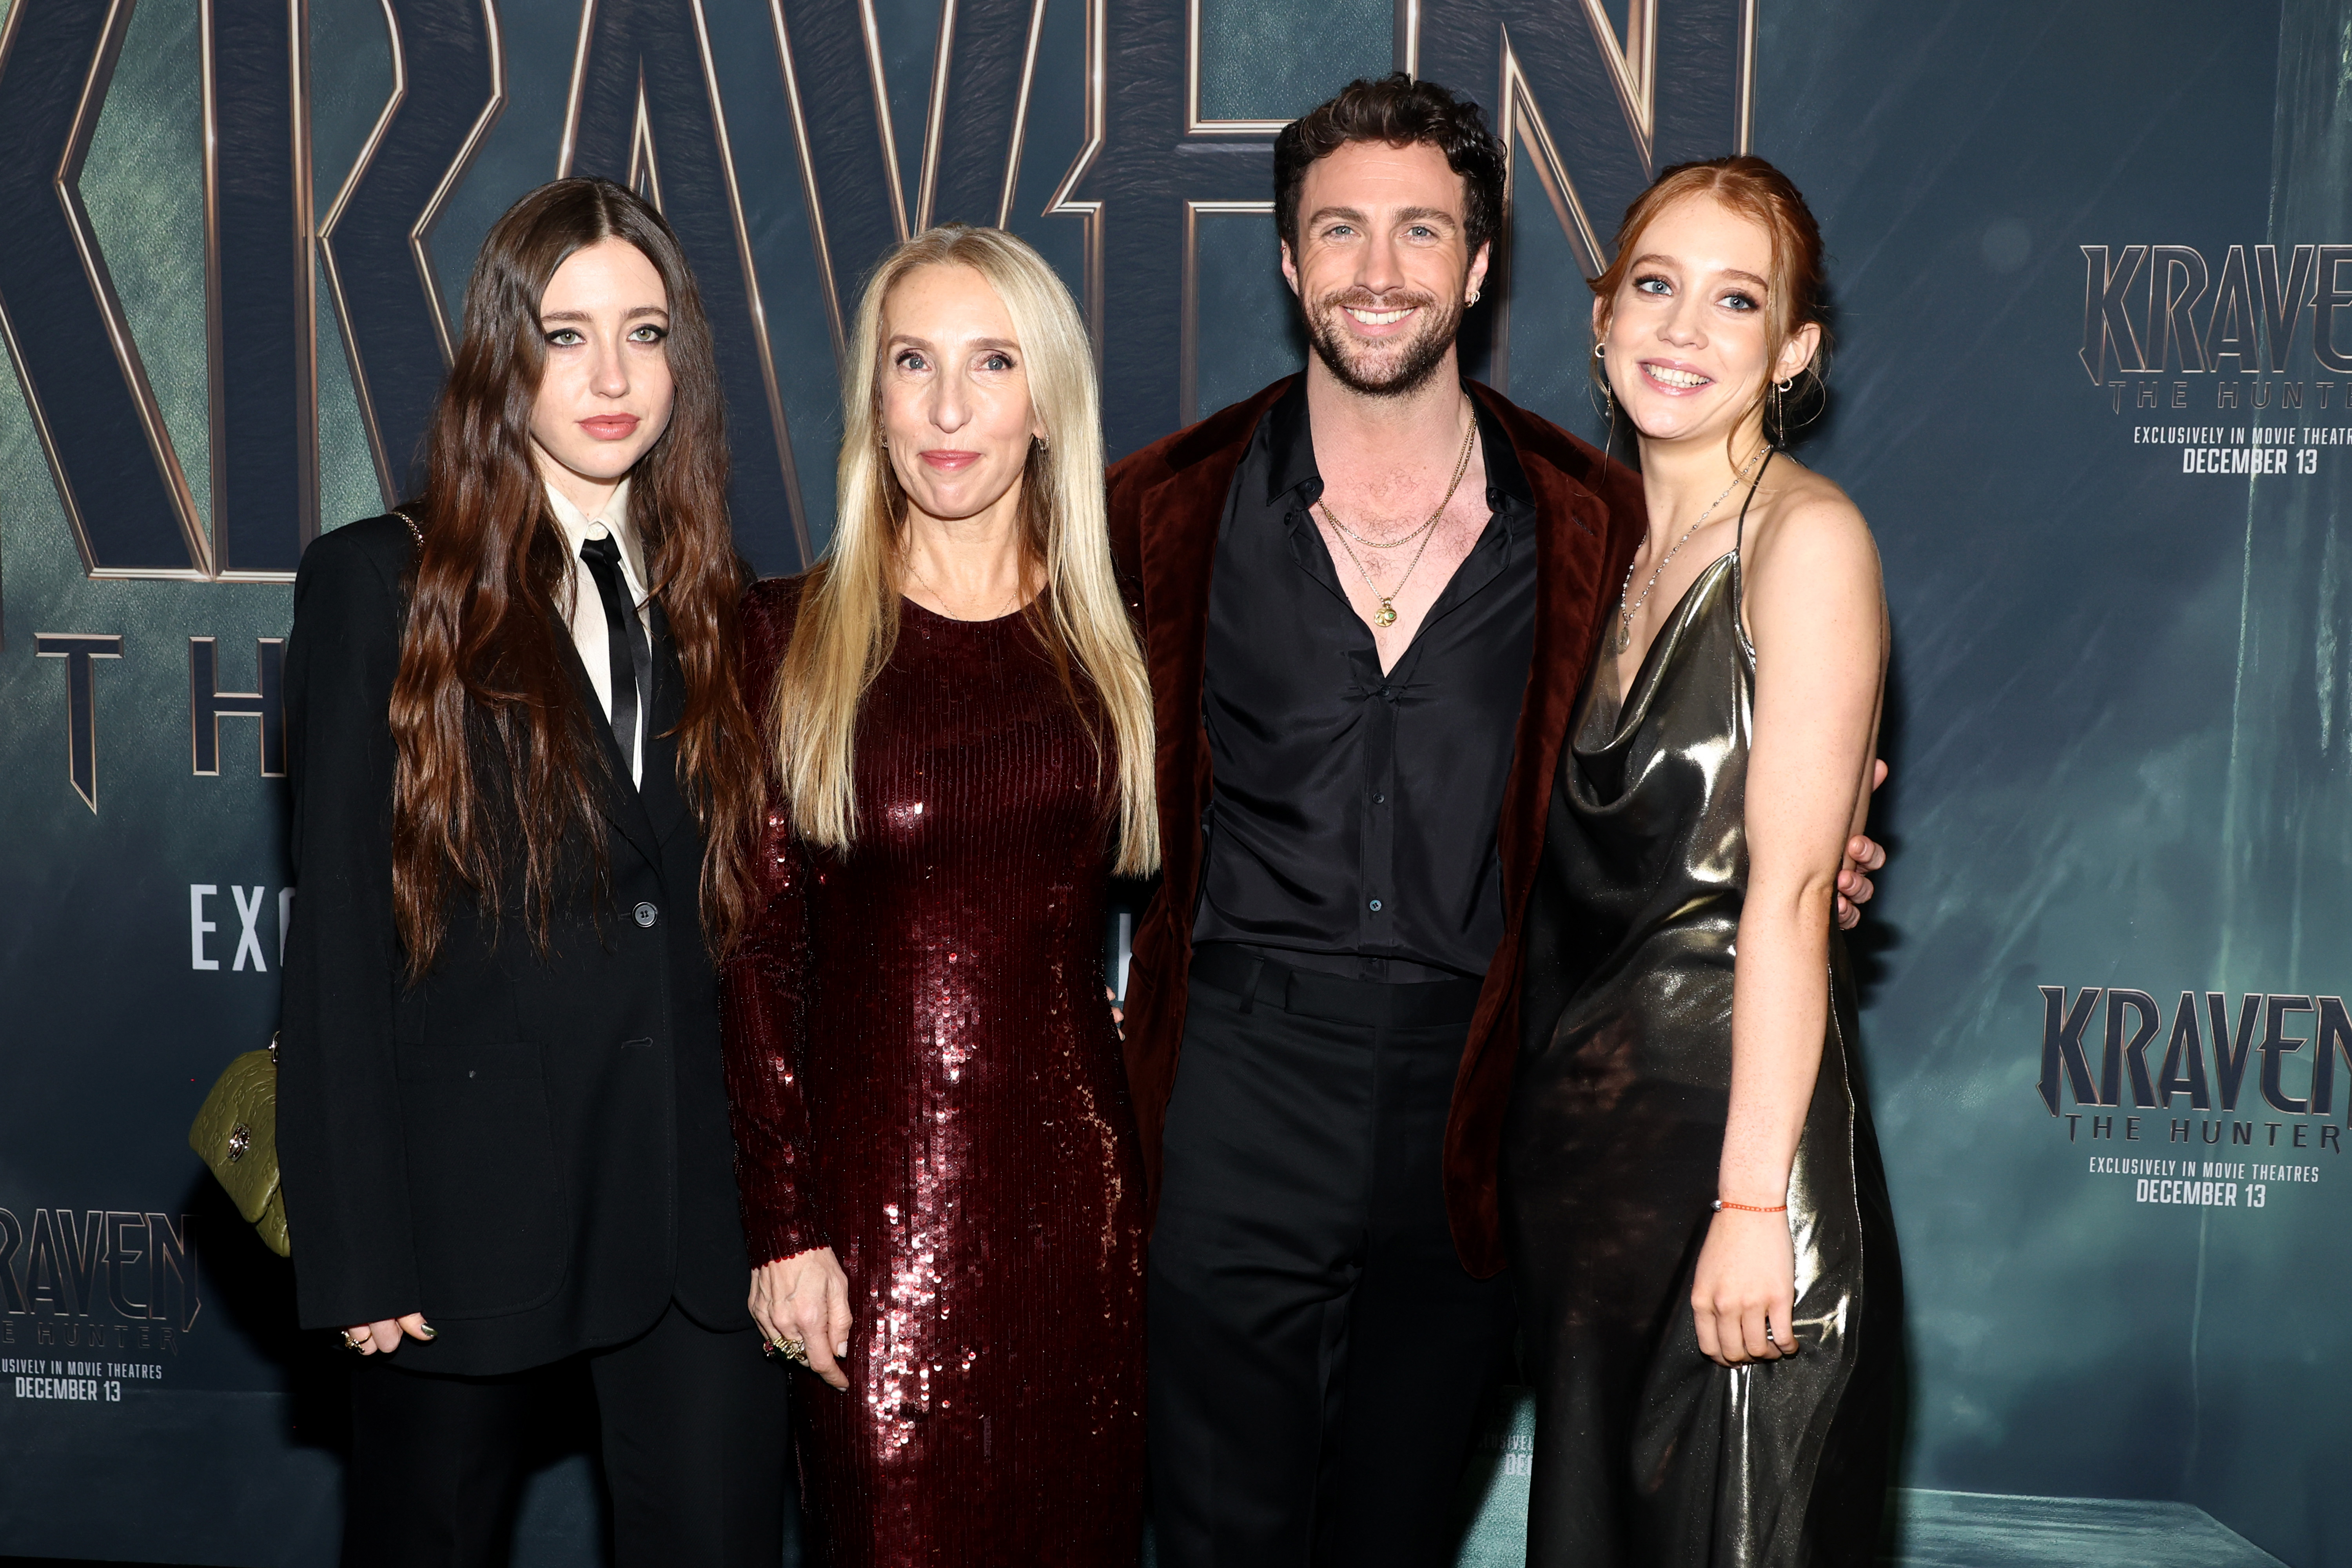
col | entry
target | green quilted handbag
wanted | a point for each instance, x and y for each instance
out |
(236, 1135)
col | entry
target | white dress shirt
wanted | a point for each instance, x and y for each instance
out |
(586, 609)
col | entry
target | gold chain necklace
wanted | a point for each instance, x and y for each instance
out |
(1386, 615)
(1399, 541)
(1624, 613)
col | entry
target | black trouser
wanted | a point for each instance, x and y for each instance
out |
(695, 1442)
(1319, 1353)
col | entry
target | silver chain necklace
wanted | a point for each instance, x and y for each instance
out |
(1625, 612)
(1386, 615)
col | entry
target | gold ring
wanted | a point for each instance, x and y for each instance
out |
(349, 1342)
(795, 1350)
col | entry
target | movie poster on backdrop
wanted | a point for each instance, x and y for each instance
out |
(2092, 397)
(2092, 273)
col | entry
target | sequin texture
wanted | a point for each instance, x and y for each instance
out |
(926, 1078)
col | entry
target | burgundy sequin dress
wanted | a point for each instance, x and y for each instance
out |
(925, 1077)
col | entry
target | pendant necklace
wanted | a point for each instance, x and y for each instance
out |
(1625, 612)
(1386, 615)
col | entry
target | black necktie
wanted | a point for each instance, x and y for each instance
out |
(625, 639)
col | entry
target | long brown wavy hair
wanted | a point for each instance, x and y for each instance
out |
(497, 766)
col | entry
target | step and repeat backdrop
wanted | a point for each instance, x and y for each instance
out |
(2092, 270)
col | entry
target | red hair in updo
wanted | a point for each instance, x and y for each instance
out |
(1754, 189)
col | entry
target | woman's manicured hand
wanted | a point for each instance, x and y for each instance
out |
(383, 1338)
(804, 1298)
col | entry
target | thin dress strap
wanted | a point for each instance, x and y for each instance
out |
(1740, 531)
(1739, 566)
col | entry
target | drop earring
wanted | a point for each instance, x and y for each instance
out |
(1608, 405)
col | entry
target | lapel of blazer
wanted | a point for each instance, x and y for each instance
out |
(1180, 543)
(665, 805)
(1178, 518)
(1589, 517)
(623, 806)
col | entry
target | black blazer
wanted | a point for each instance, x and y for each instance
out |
(534, 1153)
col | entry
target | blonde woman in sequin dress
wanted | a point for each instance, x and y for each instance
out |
(941, 1179)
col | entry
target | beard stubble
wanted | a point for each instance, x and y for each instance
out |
(1416, 359)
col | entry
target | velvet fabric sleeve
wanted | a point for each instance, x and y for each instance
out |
(763, 992)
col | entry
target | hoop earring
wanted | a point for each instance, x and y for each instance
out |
(1474, 298)
(1600, 351)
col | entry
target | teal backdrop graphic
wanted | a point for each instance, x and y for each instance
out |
(2090, 262)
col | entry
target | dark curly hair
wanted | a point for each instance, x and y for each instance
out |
(1399, 111)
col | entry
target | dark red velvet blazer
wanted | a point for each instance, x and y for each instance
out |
(1166, 502)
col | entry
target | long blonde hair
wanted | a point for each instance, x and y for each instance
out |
(848, 620)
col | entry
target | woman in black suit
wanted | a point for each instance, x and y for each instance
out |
(514, 726)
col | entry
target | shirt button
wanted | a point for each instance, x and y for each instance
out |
(1378, 799)
(1376, 906)
(647, 914)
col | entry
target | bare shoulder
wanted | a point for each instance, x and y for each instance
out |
(1804, 528)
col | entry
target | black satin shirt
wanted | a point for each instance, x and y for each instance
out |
(1352, 827)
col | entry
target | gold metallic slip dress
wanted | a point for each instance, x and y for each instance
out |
(1647, 1454)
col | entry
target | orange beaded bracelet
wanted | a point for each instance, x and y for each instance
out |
(1720, 1204)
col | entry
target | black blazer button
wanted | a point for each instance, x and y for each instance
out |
(647, 914)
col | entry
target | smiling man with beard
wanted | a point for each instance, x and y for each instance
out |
(1368, 595)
